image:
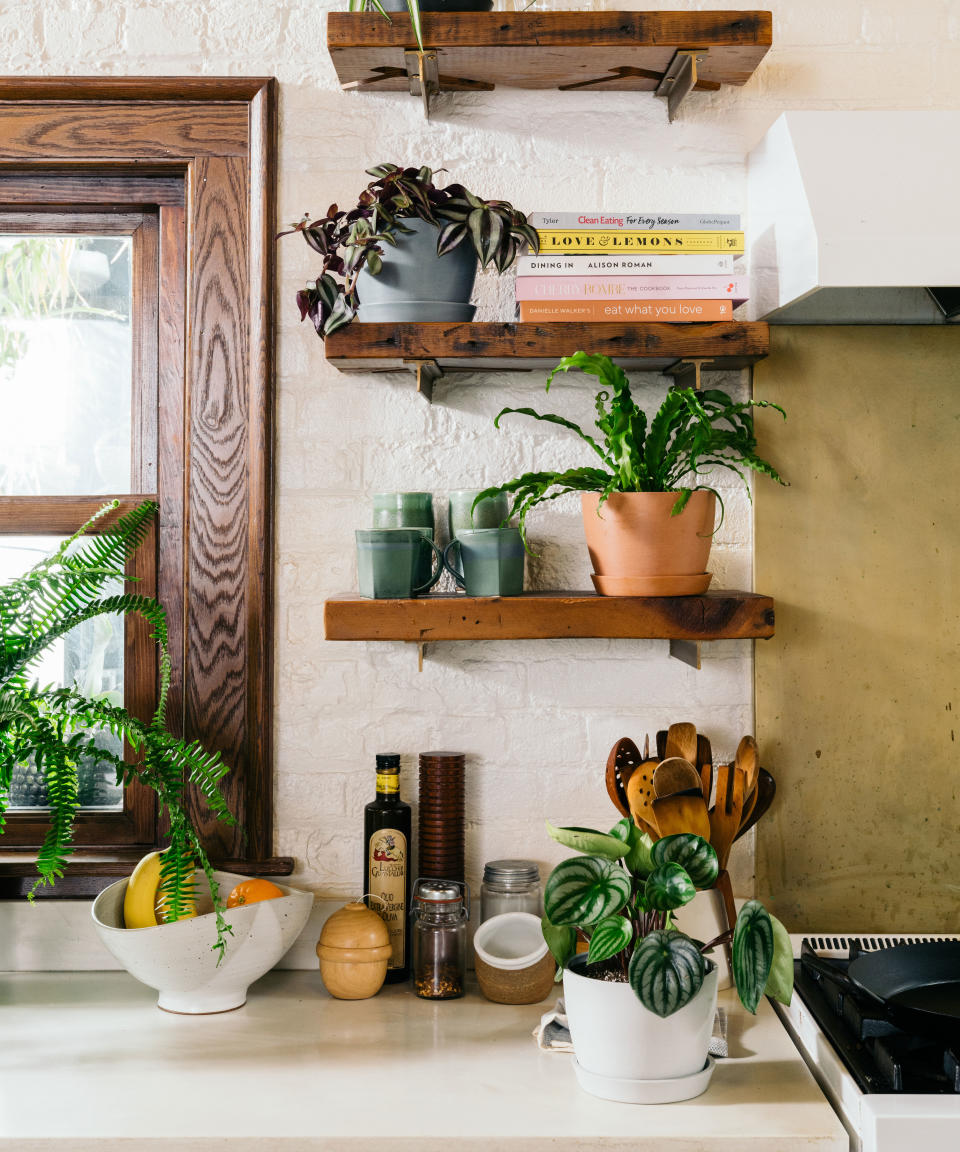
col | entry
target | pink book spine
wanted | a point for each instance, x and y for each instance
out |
(632, 288)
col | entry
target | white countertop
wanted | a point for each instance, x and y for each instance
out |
(87, 1062)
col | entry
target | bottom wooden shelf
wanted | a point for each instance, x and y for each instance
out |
(550, 615)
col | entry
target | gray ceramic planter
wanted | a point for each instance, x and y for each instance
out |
(417, 284)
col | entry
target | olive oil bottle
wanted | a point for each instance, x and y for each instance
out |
(386, 850)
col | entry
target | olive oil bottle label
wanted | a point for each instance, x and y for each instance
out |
(388, 880)
(388, 783)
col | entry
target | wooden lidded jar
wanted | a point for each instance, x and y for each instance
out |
(353, 949)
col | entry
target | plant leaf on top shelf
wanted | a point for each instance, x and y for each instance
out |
(666, 971)
(753, 947)
(694, 854)
(587, 840)
(585, 890)
(610, 936)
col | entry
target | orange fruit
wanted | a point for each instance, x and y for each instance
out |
(251, 892)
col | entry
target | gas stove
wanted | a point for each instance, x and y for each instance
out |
(893, 1091)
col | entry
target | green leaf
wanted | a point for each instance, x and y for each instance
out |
(780, 981)
(637, 859)
(666, 972)
(561, 940)
(610, 936)
(694, 854)
(587, 840)
(668, 886)
(584, 890)
(753, 945)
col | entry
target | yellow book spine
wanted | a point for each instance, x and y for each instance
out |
(594, 240)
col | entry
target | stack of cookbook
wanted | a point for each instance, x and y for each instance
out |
(624, 266)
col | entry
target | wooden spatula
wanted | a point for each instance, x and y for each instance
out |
(727, 811)
(766, 790)
(682, 812)
(623, 759)
(682, 742)
(675, 775)
(640, 797)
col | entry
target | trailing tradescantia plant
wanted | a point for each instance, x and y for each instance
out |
(691, 433)
(55, 729)
(619, 897)
(353, 240)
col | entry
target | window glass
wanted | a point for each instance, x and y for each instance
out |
(89, 658)
(65, 365)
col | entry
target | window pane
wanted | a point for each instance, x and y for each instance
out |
(90, 658)
(65, 365)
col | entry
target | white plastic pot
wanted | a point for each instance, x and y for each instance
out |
(615, 1036)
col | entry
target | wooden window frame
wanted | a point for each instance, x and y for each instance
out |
(212, 143)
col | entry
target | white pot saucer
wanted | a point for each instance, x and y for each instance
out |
(645, 1091)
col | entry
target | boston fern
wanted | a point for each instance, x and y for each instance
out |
(350, 241)
(619, 897)
(55, 729)
(693, 432)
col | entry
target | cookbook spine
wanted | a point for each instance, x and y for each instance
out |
(637, 311)
(632, 287)
(600, 241)
(620, 265)
(638, 221)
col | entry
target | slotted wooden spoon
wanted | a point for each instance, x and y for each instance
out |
(640, 797)
(675, 775)
(623, 760)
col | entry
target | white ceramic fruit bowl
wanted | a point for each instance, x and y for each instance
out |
(178, 959)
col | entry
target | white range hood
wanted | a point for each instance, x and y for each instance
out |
(854, 218)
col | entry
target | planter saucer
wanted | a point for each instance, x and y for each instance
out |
(645, 1091)
(652, 585)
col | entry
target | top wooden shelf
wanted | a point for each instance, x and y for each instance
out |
(670, 53)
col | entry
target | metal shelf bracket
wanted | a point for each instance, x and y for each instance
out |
(682, 371)
(686, 650)
(427, 373)
(423, 75)
(680, 78)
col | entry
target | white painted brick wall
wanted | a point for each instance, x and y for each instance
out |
(536, 718)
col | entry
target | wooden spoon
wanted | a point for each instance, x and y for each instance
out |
(766, 790)
(746, 759)
(623, 759)
(704, 766)
(640, 797)
(726, 813)
(682, 742)
(682, 812)
(675, 775)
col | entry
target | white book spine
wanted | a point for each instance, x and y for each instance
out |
(639, 221)
(640, 265)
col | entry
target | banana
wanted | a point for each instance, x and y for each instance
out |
(143, 904)
(141, 893)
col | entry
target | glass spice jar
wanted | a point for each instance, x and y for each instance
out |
(441, 909)
(510, 886)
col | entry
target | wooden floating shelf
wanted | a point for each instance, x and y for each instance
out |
(431, 349)
(669, 53)
(551, 615)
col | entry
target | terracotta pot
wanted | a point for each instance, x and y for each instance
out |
(635, 537)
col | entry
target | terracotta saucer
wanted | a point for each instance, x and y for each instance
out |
(652, 585)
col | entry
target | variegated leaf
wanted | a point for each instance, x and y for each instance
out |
(588, 840)
(780, 981)
(668, 887)
(666, 971)
(753, 945)
(610, 936)
(562, 941)
(694, 854)
(585, 890)
(637, 858)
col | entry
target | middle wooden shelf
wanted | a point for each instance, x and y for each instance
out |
(720, 615)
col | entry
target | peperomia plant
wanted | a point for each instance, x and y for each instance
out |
(350, 241)
(691, 433)
(619, 897)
